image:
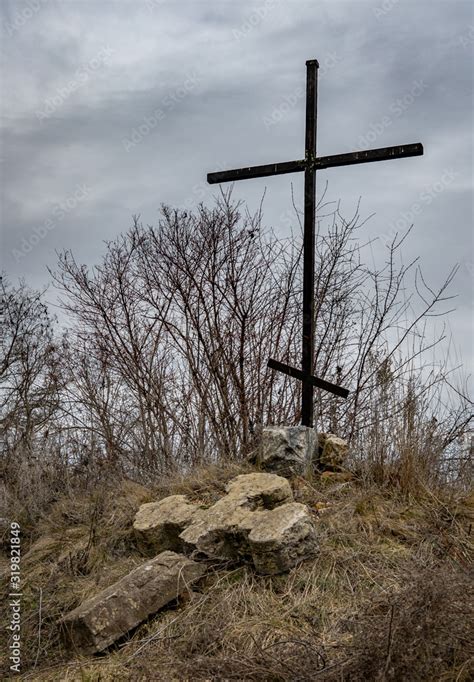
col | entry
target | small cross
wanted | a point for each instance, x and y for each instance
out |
(310, 165)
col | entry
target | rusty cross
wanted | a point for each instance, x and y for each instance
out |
(310, 165)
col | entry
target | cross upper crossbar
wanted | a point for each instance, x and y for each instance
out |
(319, 163)
(310, 165)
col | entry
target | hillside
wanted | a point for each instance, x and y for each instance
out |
(389, 595)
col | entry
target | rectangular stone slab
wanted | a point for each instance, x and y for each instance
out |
(101, 620)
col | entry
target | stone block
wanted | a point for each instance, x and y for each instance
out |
(257, 521)
(288, 450)
(259, 491)
(332, 451)
(103, 619)
(281, 538)
(157, 525)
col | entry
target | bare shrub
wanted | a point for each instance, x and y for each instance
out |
(164, 366)
(32, 462)
(174, 329)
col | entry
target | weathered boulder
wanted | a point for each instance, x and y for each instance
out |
(101, 620)
(157, 525)
(224, 530)
(332, 451)
(288, 450)
(259, 490)
(258, 521)
(221, 531)
(281, 538)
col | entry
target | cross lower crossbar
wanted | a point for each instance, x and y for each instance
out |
(315, 381)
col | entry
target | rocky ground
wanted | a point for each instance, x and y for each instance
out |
(386, 593)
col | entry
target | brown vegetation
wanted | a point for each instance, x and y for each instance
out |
(160, 386)
(388, 597)
(164, 363)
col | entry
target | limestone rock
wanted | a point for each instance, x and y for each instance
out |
(256, 520)
(101, 620)
(282, 537)
(157, 525)
(332, 451)
(256, 491)
(288, 450)
(221, 531)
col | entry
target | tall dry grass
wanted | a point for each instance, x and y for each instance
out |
(389, 596)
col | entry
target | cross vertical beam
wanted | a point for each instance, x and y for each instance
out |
(312, 67)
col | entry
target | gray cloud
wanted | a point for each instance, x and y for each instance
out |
(250, 59)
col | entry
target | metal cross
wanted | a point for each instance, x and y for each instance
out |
(310, 164)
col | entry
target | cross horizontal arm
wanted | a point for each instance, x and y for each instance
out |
(319, 163)
(298, 374)
(382, 154)
(256, 171)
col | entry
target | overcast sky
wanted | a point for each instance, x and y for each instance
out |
(110, 108)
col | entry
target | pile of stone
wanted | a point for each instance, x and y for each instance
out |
(257, 521)
(299, 450)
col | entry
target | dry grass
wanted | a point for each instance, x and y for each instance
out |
(388, 597)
